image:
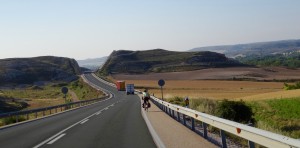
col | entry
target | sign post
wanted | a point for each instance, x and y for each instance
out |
(65, 90)
(161, 83)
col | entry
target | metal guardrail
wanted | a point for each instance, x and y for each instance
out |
(252, 134)
(55, 109)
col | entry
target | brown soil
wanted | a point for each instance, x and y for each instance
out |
(211, 84)
(273, 73)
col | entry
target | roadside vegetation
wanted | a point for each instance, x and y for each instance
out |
(42, 96)
(280, 116)
(291, 86)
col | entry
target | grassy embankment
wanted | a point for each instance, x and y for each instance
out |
(50, 95)
(281, 116)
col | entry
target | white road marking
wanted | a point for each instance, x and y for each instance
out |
(84, 121)
(98, 113)
(57, 138)
(112, 105)
(42, 143)
(59, 133)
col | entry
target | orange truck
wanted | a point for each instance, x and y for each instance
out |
(120, 85)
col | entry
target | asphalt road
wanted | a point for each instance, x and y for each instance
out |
(111, 123)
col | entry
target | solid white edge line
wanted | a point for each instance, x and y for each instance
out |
(84, 121)
(153, 133)
(55, 139)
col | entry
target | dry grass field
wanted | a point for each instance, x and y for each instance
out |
(217, 83)
(217, 89)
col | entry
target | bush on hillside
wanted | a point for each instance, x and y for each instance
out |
(291, 87)
(235, 110)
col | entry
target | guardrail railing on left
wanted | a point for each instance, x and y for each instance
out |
(19, 116)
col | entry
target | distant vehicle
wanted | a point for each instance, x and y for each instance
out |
(129, 89)
(120, 85)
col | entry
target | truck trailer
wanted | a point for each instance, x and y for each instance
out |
(120, 85)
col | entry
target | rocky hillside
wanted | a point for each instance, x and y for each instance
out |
(159, 60)
(255, 49)
(38, 69)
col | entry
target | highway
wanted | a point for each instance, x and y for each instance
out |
(114, 122)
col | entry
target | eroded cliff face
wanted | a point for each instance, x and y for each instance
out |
(31, 70)
(159, 60)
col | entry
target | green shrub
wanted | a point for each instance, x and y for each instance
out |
(235, 110)
(10, 120)
(291, 87)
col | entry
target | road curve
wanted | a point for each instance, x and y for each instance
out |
(115, 122)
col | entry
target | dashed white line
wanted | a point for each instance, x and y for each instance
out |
(55, 139)
(60, 135)
(98, 113)
(84, 121)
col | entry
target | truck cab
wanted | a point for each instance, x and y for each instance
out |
(129, 89)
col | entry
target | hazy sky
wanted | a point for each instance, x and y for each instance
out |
(94, 28)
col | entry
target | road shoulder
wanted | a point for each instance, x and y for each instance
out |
(172, 133)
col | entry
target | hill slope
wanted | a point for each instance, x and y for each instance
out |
(159, 60)
(30, 70)
(259, 49)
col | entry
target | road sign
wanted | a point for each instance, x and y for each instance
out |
(161, 82)
(64, 90)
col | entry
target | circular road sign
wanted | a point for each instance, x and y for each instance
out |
(161, 82)
(64, 90)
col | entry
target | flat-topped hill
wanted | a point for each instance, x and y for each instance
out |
(30, 70)
(159, 60)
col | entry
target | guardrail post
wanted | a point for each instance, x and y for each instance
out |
(27, 116)
(184, 120)
(35, 114)
(178, 116)
(173, 114)
(43, 112)
(50, 112)
(251, 144)
(55, 110)
(17, 118)
(223, 136)
(204, 130)
(193, 124)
